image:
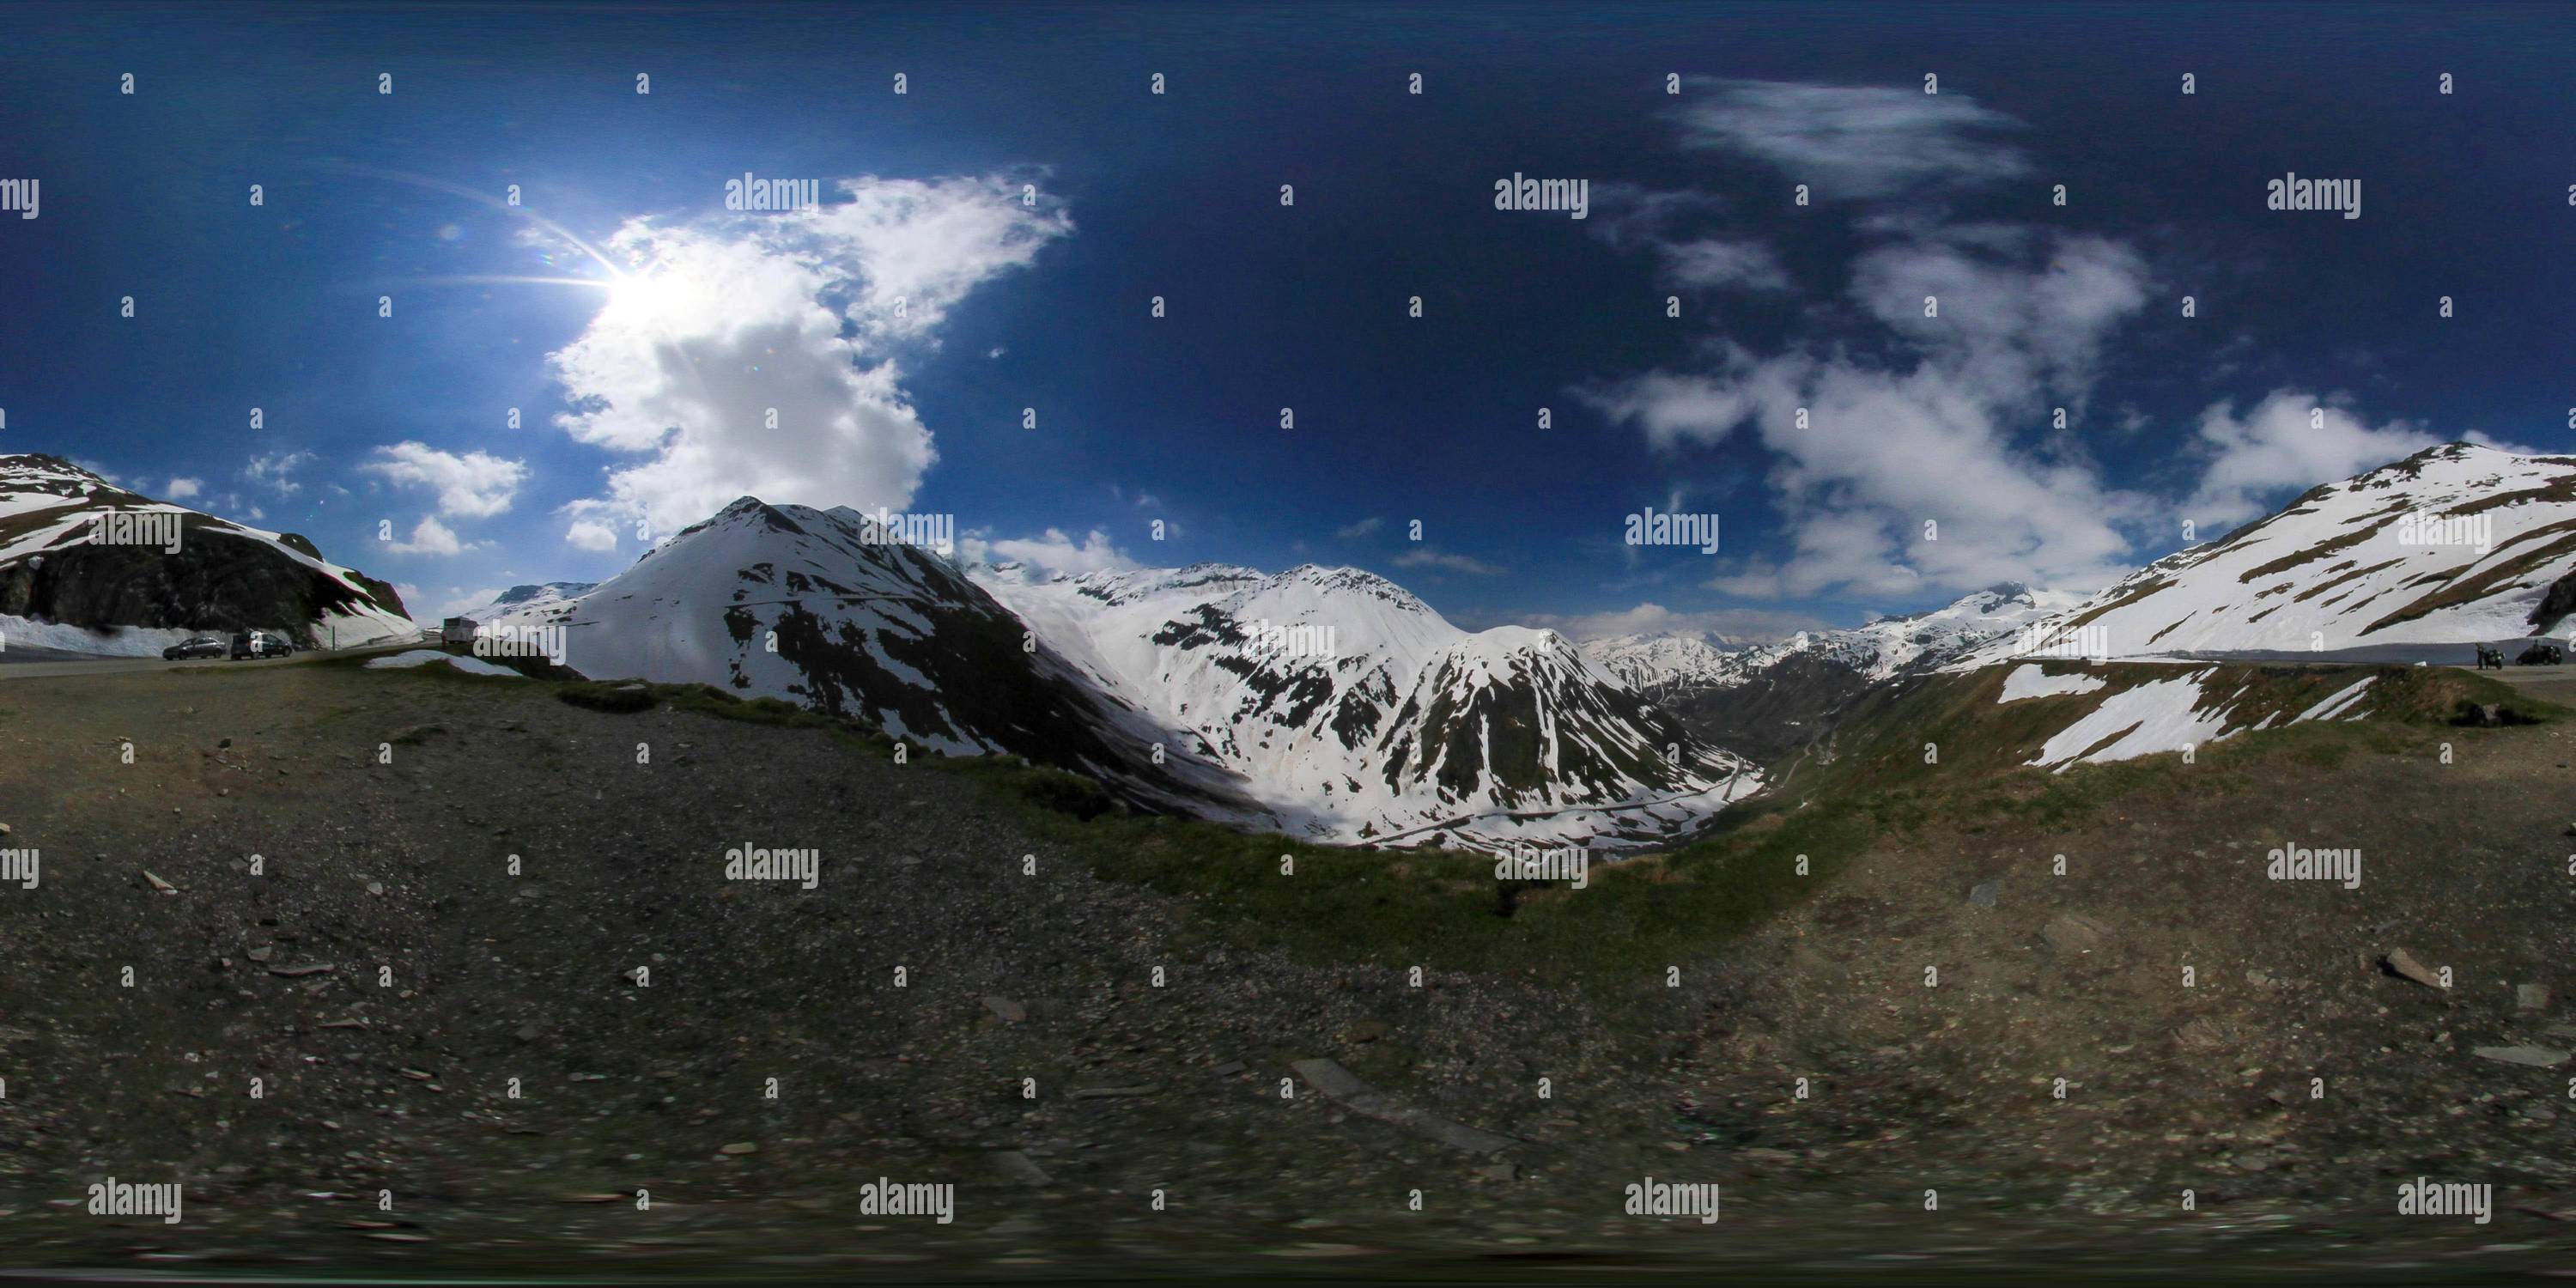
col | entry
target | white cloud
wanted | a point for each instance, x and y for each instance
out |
(1355, 531)
(430, 537)
(457, 603)
(1432, 557)
(1885, 449)
(274, 468)
(590, 534)
(474, 485)
(1050, 552)
(1712, 262)
(724, 321)
(2018, 309)
(181, 489)
(1855, 141)
(1626, 214)
(2286, 444)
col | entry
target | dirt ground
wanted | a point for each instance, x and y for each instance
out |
(425, 1025)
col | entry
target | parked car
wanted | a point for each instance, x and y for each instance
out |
(195, 646)
(2542, 653)
(260, 644)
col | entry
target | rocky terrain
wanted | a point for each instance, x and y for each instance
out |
(386, 977)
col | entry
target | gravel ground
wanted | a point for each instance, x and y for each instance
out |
(426, 1025)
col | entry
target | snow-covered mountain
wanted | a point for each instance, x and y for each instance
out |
(1871, 652)
(87, 566)
(519, 600)
(2455, 545)
(1326, 703)
(808, 605)
(1663, 657)
(1357, 713)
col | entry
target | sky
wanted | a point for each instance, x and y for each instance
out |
(500, 325)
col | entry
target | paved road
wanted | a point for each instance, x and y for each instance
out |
(29, 664)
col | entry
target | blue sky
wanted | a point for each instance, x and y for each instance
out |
(643, 383)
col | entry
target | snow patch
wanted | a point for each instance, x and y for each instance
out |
(431, 656)
(2160, 715)
(2335, 705)
(2029, 681)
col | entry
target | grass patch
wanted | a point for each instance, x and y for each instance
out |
(1438, 909)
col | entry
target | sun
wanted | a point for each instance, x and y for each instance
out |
(647, 295)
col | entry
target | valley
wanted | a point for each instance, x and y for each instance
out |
(793, 856)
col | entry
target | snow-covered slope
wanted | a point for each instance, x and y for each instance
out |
(2454, 545)
(1357, 713)
(88, 566)
(798, 603)
(2175, 709)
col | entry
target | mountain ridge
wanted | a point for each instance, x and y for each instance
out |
(61, 586)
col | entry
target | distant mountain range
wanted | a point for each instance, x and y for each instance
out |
(87, 566)
(1768, 700)
(1874, 651)
(1330, 703)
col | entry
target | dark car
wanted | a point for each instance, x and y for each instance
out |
(260, 644)
(198, 646)
(2542, 653)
